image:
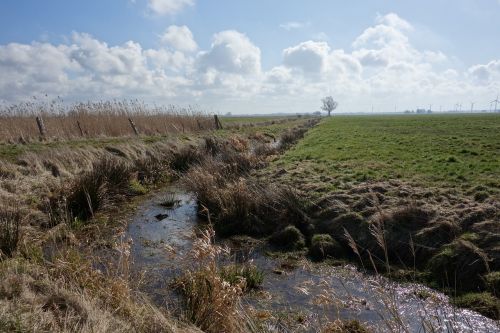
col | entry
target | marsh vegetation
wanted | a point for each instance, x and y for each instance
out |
(397, 196)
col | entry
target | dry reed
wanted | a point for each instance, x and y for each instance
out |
(97, 119)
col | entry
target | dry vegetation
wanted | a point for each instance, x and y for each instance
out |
(63, 262)
(96, 119)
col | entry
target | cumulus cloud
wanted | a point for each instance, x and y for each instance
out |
(393, 20)
(485, 73)
(309, 57)
(168, 7)
(387, 43)
(382, 66)
(180, 38)
(231, 52)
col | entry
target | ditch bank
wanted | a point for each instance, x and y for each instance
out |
(296, 294)
(300, 295)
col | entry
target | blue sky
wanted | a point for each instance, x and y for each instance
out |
(253, 56)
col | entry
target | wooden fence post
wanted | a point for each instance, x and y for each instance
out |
(82, 133)
(132, 124)
(218, 124)
(41, 127)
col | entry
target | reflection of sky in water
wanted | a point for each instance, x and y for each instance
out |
(320, 292)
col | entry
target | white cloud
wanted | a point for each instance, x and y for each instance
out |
(393, 20)
(231, 52)
(309, 57)
(168, 7)
(167, 61)
(487, 73)
(180, 38)
(292, 25)
(384, 67)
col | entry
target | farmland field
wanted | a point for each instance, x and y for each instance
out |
(459, 151)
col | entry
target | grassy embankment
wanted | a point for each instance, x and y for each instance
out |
(415, 196)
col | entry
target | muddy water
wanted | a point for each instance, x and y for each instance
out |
(307, 294)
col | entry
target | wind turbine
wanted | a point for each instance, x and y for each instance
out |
(496, 101)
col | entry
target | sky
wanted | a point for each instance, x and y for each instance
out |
(259, 56)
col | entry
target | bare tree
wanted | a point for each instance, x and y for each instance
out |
(329, 104)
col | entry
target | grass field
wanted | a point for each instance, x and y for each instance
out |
(446, 150)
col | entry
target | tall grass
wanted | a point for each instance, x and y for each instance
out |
(212, 302)
(97, 119)
(9, 231)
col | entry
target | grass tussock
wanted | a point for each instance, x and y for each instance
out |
(289, 238)
(10, 222)
(460, 265)
(211, 302)
(248, 272)
(107, 182)
(323, 246)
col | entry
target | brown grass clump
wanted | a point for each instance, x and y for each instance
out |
(211, 302)
(185, 157)
(240, 205)
(108, 181)
(10, 222)
(97, 119)
(245, 206)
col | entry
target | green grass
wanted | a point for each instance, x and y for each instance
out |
(440, 150)
(246, 120)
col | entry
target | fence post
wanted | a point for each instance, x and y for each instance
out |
(82, 133)
(218, 124)
(132, 124)
(41, 127)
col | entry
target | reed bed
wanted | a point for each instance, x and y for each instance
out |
(18, 123)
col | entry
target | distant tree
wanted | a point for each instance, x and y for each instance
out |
(317, 113)
(229, 114)
(329, 104)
